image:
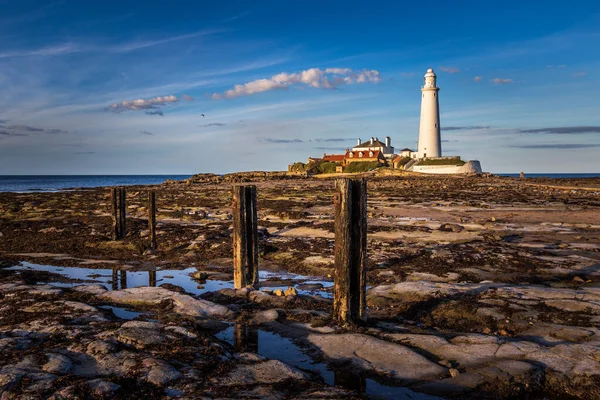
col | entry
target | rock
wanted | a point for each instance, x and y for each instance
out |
(140, 334)
(309, 286)
(467, 354)
(259, 297)
(96, 290)
(291, 292)
(182, 331)
(369, 353)
(426, 342)
(160, 372)
(574, 306)
(266, 316)
(57, 364)
(9, 380)
(143, 325)
(475, 339)
(278, 292)
(577, 279)
(100, 347)
(454, 372)
(183, 304)
(573, 334)
(101, 388)
(267, 372)
(451, 227)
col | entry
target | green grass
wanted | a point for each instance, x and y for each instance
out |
(363, 166)
(443, 161)
(403, 161)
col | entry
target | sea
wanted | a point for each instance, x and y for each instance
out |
(52, 183)
(555, 176)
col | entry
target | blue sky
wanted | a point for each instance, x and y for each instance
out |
(120, 87)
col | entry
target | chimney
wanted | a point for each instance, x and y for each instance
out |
(388, 141)
(372, 139)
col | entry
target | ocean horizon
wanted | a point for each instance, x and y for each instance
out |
(51, 183)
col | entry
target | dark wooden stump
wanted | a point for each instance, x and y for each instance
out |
(152, 219)
(350, 274)
(119, 209)
(123, 279)
(245, 237)
(152, 278)
(114, 199)
(123, 209)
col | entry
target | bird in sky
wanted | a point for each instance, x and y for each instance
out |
(203, 115)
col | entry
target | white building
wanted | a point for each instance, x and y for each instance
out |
(375, 144)
(430, 140)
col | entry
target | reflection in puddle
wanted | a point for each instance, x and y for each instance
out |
(122, 313)
(117, 278)
(250, 338)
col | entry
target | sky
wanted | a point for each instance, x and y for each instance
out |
(129, 87)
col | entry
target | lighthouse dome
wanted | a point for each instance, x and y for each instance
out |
(430, 72)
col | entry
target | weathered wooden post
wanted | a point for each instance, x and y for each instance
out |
(123, 279)
(115, 213)
(522, 175)
(350, 274)
(152, 278)
(115, 279)
(245, 237)
(152, 219)
(123, 210)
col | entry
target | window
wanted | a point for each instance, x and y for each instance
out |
(370, 154)
(360, 154)
(351, 155)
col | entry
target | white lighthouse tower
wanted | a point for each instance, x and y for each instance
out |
(430, 141)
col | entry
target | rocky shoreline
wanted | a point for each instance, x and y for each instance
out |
(479, 287)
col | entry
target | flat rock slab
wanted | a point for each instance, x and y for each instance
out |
(369, 353)
(419, 290)
(267, 372)
(183, 304)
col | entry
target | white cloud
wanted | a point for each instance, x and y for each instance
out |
(329, 78)
(501, 81)
(579, 74)
(478, 78)
(141, 104)
(44, 51)
(450, 70)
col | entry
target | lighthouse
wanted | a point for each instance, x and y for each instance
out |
(430, 141)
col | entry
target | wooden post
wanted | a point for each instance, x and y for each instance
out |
(522, 175)
(115, 213)
(123, 210)
(350, 274)
(115, 279)
(245, 237)
(123, 279)
(152, 278)
(152, 219)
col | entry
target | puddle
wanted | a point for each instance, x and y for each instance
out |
(271, 345)
(115, 279)
(122, 313)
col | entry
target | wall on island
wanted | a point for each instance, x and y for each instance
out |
(470, 167)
